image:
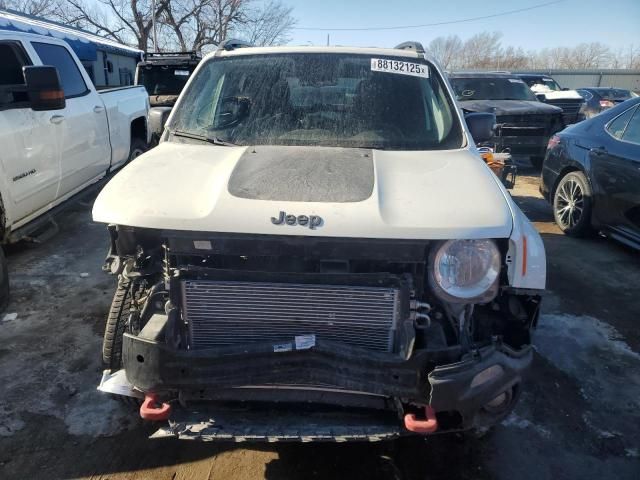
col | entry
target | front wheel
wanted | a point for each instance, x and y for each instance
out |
(572, 205)
(138, 147)
(116, 324)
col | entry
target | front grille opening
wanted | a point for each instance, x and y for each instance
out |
(223, 313)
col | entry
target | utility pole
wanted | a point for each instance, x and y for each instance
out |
(327, 39)
(153, 26)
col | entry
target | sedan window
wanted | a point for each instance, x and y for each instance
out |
(632, 132)
(618, 125)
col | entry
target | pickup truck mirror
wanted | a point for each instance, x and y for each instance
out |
(541, 96)
(481, 126)
(43, 88)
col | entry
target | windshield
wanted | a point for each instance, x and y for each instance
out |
(164, 79)
(491, 88)
(320, 99)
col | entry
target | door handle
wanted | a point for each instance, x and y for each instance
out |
(98, 109)
(598, 150)
(56, 119)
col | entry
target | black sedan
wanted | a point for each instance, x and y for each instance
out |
(591, 175)
(599, 99)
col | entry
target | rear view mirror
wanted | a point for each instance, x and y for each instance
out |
(481, 126)
(231, 111)
(43, 88)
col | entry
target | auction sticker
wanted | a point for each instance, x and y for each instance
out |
(399, 67)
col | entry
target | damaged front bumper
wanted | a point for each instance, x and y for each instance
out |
(267, 386)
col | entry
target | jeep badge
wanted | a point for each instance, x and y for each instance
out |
(311, 221)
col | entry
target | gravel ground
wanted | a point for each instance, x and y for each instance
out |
(578, 417)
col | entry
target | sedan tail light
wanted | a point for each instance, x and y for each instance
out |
(553, 141)
(606, 103)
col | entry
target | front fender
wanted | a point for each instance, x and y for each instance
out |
(526, 258)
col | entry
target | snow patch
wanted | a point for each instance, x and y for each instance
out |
(513, 420)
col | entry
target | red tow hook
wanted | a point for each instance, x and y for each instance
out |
(152, 410)
(429, 425)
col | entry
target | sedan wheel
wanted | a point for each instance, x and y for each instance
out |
(572, 204)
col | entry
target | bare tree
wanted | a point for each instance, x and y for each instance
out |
(481, 50)
(181, 24)
(268, 24)
(126, 21)
(31, 7)
(446, 50)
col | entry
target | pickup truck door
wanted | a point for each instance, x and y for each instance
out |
(30, 154)
(85, 153)
(616, 168)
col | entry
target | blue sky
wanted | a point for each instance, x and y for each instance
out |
(613, 22)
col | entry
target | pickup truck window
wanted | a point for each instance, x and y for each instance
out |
(70, 77)
(163, 79)
(320, 99)
(12, 88)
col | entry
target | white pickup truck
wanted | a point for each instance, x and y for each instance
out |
(58, 134)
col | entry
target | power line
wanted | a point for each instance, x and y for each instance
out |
(462, 20)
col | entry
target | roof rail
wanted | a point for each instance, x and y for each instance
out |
(233, 43)
(193, 55)
(500, 71)
(416, 46)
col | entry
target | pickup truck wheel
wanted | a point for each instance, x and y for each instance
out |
(4, 282)
(138, 147)
(572, 205)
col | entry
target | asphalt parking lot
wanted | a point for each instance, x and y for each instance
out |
(579, 417)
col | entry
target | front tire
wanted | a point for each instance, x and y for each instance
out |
(138, 147)
(572, 205)
(116, 324)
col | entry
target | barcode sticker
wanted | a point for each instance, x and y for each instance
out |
(399, 67)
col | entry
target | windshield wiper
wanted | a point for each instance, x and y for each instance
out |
(203, 138)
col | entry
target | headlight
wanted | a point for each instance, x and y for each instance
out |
(465, 271)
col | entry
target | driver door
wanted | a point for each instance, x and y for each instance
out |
(30, 142)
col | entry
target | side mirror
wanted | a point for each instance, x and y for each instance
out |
(481, 126)
(541, 96)
(565, 89)
(43, 88)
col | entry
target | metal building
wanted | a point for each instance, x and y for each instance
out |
(108, 63)
(618, 78)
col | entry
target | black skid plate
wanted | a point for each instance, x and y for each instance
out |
(240, 424)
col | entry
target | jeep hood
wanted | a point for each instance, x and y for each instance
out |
(509, 107)
(356, 192)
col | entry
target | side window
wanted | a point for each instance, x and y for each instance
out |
(13, 91)
(70, 77)
(586, 94)
(618, 125)
(632, 133)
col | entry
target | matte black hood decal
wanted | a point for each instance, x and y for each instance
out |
(303, 174)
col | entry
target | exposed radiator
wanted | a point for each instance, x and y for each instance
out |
(232, 313)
